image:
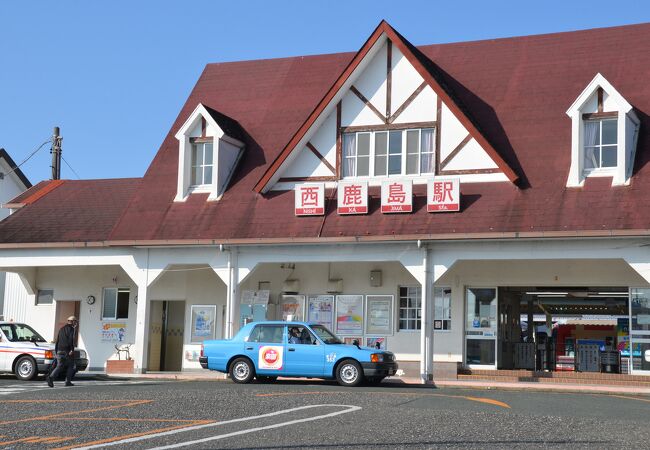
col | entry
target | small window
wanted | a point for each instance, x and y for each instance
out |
(115, 303)
(45, 297)
(410, 307)
(300, 335)
(600, 137)
(270, 334)
(442, 308)
(202, 163)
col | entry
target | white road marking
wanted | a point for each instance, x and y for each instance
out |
(31, 387)
(349, 409)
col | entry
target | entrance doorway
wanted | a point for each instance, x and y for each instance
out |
(166, 335)
(65, 309)
(481, 327)
(569, 329)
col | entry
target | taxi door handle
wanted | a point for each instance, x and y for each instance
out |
(292, 349)
(249, 348)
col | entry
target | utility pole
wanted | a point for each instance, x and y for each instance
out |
(56, 154)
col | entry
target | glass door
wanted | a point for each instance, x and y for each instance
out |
(640, 330)
(481, 327)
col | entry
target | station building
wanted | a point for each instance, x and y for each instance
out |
(469, 205)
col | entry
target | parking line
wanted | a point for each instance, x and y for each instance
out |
(464, 397)
(349, 408)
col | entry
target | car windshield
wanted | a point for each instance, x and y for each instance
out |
(325, 335)
(19, 332)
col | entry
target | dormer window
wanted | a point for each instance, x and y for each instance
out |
(210, 145)
(202, 163)
(604, 132)
(600, 144)
(387, 153)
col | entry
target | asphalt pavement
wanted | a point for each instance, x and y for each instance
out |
(149, 413)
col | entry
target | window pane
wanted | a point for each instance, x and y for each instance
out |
(363, 166)
(194, 154)
(592, 133)
(412, 138)
(412, 164)
(395, 144)
(349, 144)
(609, 132)
(609, 156)
(381, 143)
(592, 157)
(207, 175)
(197, 176)
(394, 164)
(109, 303)
(363, 147)
(272, 334)
(426, 140)
(207, 154)
(380, 165)
(122, 304)
(45, 297)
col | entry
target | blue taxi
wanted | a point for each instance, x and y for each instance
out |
(267, 350)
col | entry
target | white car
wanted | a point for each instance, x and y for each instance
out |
(25, 353)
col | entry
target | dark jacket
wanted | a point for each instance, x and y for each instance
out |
(65, 340)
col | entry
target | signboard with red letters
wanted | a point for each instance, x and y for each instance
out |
(310, 199)
(352, 197)
(397, 196)
(443, 194)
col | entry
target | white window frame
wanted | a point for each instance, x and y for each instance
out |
(446, 309)
(404, 153)
(599, 169)
(118, 290)
(193, 147)
(418, 310)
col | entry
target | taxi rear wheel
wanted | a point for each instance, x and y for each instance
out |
(25, 368)
(242, 370)
(349, 373)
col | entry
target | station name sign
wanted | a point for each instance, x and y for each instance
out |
(443, 195)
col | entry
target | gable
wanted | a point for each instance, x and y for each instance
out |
(384, 87)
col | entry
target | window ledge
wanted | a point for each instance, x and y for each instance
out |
(608, 172)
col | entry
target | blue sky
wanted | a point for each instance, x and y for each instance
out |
(114, 75)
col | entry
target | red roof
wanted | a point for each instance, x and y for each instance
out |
(515, 90)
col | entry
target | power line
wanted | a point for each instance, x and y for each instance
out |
(29, 157)
(73, 171)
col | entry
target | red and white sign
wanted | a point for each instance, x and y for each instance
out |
(310, 199)
(352, 197)
(397, 196)
(270, 357)
(443, 194)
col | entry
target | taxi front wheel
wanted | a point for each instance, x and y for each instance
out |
(349, 373)
(242, 370)
(25, 369)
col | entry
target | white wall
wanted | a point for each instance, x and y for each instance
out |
(356, 280)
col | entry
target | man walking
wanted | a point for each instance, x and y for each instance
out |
(64, 350)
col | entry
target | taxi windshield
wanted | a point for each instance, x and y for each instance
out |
(19, 332)
(325, 335)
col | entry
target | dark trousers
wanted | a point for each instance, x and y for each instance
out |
(63, 360)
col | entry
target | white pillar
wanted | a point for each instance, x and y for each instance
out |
(142, 320)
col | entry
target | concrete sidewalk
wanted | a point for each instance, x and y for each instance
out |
(405, 381)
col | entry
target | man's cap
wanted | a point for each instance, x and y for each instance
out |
(72, 319)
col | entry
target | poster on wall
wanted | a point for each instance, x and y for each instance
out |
(349, 314)
(350, 340)
(113, 331)
(379, 314)
(380, 343)
(292, 307)
(320, 309)
(203, 322)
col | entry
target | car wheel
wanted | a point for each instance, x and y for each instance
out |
(349, 373)
(25, 368)
(242, 370)
(265, 379)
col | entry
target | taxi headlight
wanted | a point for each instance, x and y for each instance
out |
(376, 357)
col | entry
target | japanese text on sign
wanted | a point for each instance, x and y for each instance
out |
(352, 198)
(443, 195)
(310, 199)
(397, 196)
